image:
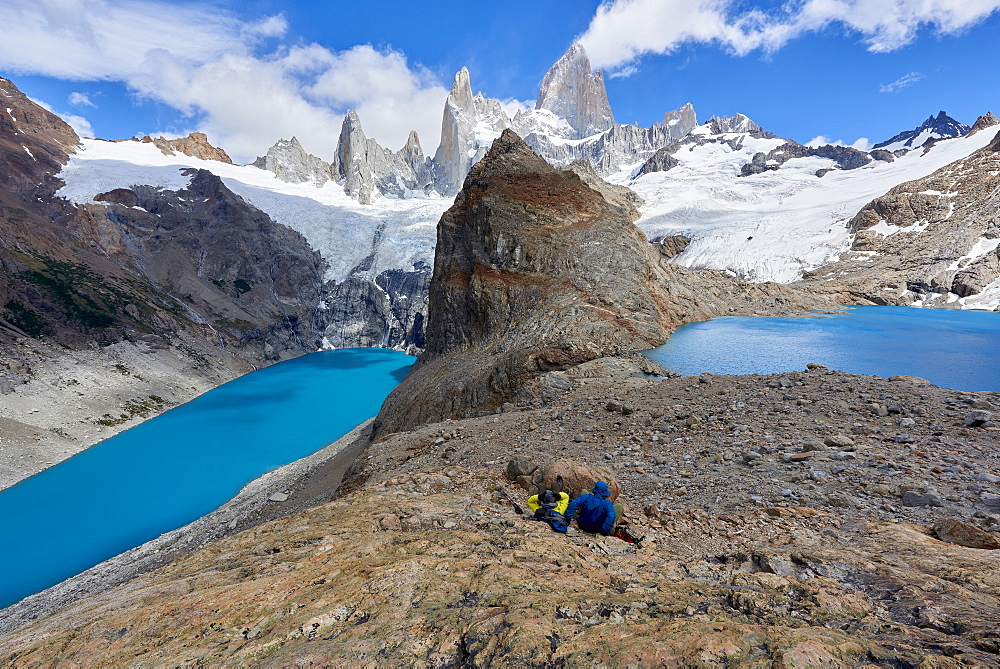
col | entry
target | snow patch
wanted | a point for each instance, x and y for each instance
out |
(978, 250)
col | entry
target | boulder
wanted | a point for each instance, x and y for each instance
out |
(965, 534)
(572, 477)
(519, 467)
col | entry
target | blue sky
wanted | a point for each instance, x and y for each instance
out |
(249, 73)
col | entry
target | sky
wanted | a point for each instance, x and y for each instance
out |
(251, 72)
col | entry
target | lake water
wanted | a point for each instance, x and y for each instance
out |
(951, 348)
(175, 468)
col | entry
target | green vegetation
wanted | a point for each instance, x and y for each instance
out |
(133, 408)
(242, 286)
(26, 319)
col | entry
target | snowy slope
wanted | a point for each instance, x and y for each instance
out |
(334, 224)
(774, 225)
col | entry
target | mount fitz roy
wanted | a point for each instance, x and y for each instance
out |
(162, 258)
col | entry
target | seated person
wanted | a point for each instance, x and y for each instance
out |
(597, 514)
(549, 499)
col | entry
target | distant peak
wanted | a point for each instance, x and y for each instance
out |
(461, 90)
(573, 92)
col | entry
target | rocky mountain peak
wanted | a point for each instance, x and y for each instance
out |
(684, 116)
(290, 162)
(941, 126)
(461, 90)
(468, 125)
(34, 142)
(573, 92)
(987, 120)
(739, 123)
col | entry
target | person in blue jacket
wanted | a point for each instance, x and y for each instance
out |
(597, 515)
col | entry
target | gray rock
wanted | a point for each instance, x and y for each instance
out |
(519, 466)
(571, 91)
(916, 498)
(290, 162)
(838, 441)
(907, 422)
(977, 418)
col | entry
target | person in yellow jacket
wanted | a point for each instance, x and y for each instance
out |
(549, 499)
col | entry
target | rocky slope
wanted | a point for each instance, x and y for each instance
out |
(933, 241)
(534, 270)
(781, 521)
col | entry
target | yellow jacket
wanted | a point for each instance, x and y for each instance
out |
(561, 505)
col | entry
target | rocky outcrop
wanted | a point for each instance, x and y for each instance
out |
(290, 162)
(195, 145)
(368, 170)
(846, 157)
(530, 267)
(934, 240)
(987, 120)
(536, 271)
(673, 246)
(941, 126)
(571, 91)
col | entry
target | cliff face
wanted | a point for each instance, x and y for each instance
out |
(536, 271)
(533, 271)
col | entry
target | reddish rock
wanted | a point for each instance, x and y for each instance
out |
(965, 534)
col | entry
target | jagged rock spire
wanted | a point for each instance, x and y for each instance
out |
(468, 125)
(572, 91)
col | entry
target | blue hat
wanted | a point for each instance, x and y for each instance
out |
(601, 488)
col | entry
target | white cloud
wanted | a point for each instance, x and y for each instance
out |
(511, 106)
(213, 67)
(902, 82)
(79, 124)
(861, 144)
(623, 30)
(80, 100)
(624, 72)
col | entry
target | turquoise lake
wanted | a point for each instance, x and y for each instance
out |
(950, 348)
(175, 468)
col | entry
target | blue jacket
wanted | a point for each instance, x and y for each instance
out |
(596, 513)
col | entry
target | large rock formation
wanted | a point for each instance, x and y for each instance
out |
(290, 162)
(934, 240)
(469, 126)
(196, 145)
(368, 170)
(533, 271)
(571, 91)
(536, 271)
